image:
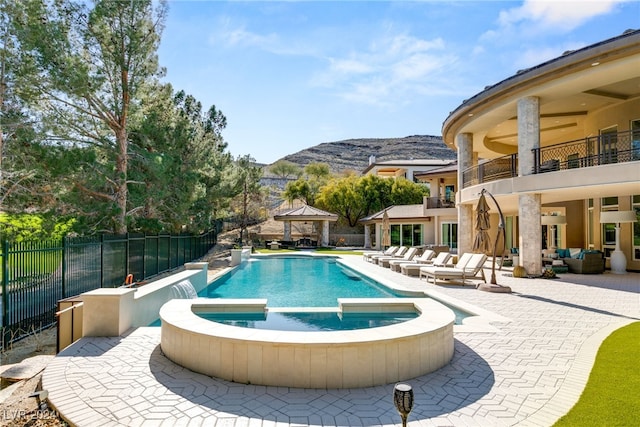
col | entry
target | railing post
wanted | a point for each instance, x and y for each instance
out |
(536, 160)
(126, 254)
(144, 257)
(5, 282)
(102, 260)
(64, 267)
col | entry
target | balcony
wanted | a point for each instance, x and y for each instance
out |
(439, 202)
(604, 149)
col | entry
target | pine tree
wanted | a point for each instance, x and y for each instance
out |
(85, 71)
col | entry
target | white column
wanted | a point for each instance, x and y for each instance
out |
(528, 133)
(465, 228)
(530, 238)
(325, 233)
(465, 212)
(465, 154)
(367, 236)
(434, 186)
(287, 231)
(529, 209)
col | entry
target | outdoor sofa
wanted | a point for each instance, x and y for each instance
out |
(582, 261)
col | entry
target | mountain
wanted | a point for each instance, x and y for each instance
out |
(353, 154)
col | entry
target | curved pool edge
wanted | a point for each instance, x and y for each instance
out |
(327, 359)
(479, 319)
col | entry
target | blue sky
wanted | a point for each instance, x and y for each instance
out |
(293, 74)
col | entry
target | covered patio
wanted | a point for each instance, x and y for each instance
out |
(306, 213)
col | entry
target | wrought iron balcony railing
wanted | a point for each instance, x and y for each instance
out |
(604, 149)
(440, 202)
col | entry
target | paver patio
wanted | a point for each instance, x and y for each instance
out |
(526, 367)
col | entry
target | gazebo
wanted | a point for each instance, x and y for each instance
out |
(307, 213)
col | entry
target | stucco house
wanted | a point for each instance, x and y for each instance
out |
(405, 168)
(433, 222)
(560, 138)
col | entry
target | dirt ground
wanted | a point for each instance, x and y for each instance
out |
(19, 408)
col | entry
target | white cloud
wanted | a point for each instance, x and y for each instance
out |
(564, 15)
(391, 70)
(350, 66)
(536, 56)
(229, 34)
(415, 67)
(242, 37)
(526, 35)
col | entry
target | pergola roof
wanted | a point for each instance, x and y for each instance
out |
(306, 213)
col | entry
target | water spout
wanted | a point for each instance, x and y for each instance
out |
(183, 290)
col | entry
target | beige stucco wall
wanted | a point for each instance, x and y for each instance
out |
(325, 360)
(619, 115)
(112, 311)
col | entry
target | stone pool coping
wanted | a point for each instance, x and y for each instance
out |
(324, 359)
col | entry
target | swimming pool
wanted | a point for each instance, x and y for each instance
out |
(296, 281)
(309, 321)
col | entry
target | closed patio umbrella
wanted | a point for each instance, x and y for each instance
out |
(482, 241)
(386, 230)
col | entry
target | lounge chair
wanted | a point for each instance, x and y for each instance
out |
(408, 256)
(389, 251)
(412, 269)
(396, 264)
(467, 267)
(397, 254)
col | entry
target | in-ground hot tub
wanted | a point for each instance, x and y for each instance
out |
(325, 359)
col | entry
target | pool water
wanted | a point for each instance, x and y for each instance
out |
(310, 321)
(296, 282)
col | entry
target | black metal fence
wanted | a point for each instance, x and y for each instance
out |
(36, 275)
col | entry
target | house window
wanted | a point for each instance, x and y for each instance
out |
(609, 229)
(635, 139)
(395, 235)
(609, 145)
(449, 193)
(450, 235)
(406, 234)
(417, 234)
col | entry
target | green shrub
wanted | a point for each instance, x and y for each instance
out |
(24, 227)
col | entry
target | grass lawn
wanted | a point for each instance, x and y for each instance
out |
(612, 394)
(323, 251)
(337, 251)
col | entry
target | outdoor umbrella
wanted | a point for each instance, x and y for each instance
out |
(481, 243)
(386, 230)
